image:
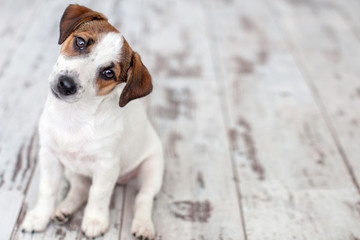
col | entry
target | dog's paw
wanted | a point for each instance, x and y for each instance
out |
(95, 224)
(143, 229)
(60, 216)
(35, 221)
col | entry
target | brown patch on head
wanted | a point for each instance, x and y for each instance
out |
(75, 15)
(131, 70)
(90, 32)
(106, 86)
(121, 72)
(79, 21)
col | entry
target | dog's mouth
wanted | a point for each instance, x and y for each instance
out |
(55, 94)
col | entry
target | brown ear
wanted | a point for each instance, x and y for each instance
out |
(138, 82)
(74, 15)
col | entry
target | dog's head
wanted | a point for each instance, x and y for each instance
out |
(94, 59)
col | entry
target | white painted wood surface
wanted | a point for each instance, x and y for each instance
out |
(293, 181)
(255, 102)
(333, 72)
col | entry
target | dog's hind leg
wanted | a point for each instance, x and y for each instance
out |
(150, 178)
(76, 197)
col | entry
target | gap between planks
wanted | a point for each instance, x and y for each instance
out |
(317, 98)
(214, 54)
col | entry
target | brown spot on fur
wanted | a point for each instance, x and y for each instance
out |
(121, 71)
(106, 86)
(192, 211)
(74, 16)
(90, 32)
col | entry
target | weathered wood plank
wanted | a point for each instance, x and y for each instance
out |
(293, 182)
(332, 72)
(348, 11)
(171, 36)
(18, 146)
(16, 17)
(21, 102)
(198, 199)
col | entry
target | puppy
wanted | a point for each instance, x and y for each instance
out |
(87, 136)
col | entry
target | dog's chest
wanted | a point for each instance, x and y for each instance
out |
(74, 148)
(77, 142)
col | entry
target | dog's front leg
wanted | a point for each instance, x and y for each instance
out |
(50, 175)
(96, 216)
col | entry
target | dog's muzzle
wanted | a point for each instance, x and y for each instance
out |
(66, 86)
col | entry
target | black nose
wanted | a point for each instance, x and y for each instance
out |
(66, 85)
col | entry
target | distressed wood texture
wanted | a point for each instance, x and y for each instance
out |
(294, 183)
(199, 198)
(255, 103)
(333, 73)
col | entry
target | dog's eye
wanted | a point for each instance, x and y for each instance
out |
(80, 43)
(108, 74)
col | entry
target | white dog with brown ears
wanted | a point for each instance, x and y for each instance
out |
(86, 135)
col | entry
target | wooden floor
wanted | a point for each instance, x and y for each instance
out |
(257, 104)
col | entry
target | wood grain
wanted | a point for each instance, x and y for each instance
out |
(293, 181)
(332, 73)
(199, 198)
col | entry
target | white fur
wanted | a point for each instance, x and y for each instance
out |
(92, 137)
